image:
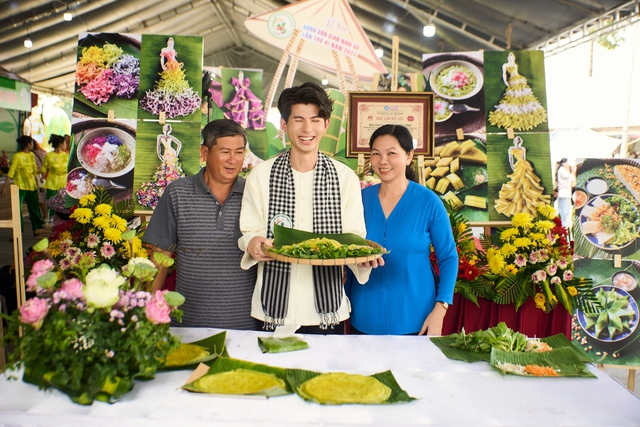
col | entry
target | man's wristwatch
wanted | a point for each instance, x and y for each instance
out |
(444, 304)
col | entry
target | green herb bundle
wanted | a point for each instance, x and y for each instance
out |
(500, 337)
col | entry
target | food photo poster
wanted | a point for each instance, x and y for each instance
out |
(606, 203)
(609, 336)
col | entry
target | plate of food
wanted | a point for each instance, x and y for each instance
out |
(325, 251)
(609, 222)
(456, 80)
(624, 280)
(579, 198)
(616, 321)
(107, 152)
(79, 183)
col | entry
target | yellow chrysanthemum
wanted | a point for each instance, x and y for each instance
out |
(138, 250)
(508, 249)
(64, 236)
(547, 211)
(103, 209)
(511, 268)
(82, 215)
(522, 242)
(113, 235)
(539, 299)
(538, 237)
(572, 291)
(522, 219)
(462, 227)
(85, 200)
(119, 223)
(544, 225)
(472, 260)
(54, 248)
(102, 222)
(508, 234)
(495, 260)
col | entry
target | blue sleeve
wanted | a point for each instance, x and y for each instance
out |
(445, 249)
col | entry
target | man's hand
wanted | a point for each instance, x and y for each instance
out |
(254, 248)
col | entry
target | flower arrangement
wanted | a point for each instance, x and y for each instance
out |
(534, 258)
(469, 283)
(93, 326)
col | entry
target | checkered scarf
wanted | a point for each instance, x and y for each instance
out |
(327, 219)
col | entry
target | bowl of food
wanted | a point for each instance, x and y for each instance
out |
(609, 222)
(456, 80)
(107, 152)
(618, 318)
(624, 280)
(79, 183)
(596, 186)
(441, 110)
(580, 198)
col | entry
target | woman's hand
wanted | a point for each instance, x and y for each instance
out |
(433, 323)
(254, 248)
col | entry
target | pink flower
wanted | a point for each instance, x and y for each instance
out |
(32, 281)
(107, 250)
(533, 257)
(92, 240)
(42, 266)
(73, 288)
(567, 275)
(34, 311)
(552, 269)
(65, 264)
(555, 280)
(157, 310)
(562, 263)
(520, 260)
(539, 276)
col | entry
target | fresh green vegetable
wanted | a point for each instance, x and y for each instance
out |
(324, 248)
(616, 317)
(500, 337)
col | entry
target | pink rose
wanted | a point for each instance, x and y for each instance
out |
(567, 275)
(42, 266)
(157, 309)
(34, 311)
(32, 281)
(73, 288)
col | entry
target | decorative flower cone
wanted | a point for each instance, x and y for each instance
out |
(519, 108)
(170, 170)
(172, 93)
(523, 192)
(245, 108)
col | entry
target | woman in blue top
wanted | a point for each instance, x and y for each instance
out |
(402, 296)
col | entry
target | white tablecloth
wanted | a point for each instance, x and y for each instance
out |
(449, 393)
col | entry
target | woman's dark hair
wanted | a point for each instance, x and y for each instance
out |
(24, 141)
(405, 139)
(307, 93)
(560, 163)
(56, 140)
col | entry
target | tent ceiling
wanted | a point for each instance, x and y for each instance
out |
(462, 25)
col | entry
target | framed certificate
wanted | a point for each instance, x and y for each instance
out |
(370, 110)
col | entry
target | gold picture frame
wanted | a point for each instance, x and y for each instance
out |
(370, 110)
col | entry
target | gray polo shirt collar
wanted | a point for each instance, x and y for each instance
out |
(201, 187)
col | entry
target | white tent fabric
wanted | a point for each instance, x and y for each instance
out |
(581, 143)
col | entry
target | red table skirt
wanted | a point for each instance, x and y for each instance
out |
(528, 320)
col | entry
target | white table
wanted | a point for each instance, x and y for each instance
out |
(449, 393)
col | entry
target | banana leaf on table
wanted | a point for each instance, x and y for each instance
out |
(227, 364)
(281, 345)
(563, 360)
(557, 341)
(215, 345)
(296, 377)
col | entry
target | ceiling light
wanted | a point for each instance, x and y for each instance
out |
(429, 30)
(379, 52)
(28, 43)
(67, 16)
(325, 81)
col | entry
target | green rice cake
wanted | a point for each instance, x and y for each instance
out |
(239, 381)
(338, 388)
(186, 354)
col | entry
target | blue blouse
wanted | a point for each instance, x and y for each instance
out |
(400, 295)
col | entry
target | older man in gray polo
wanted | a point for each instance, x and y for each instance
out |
(197, 218)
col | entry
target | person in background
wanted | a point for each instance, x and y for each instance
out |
(566, 180)
(23, 172)
(309, 191)
(54, 168)
(403, 296)
(39, 154)
(197, 219)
